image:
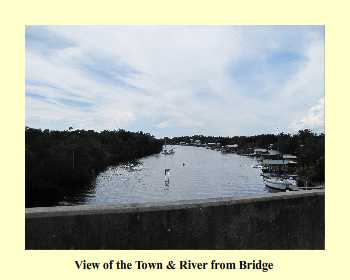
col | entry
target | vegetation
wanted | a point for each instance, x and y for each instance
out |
(306, 145)
(62, 163)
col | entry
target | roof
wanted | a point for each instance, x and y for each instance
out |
(260, 150)
(277, 162)
(273, 152)
(288, 156)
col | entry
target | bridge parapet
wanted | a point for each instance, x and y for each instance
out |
(291, 220)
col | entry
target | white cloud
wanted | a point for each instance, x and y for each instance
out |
(314, 118)
(158, 78)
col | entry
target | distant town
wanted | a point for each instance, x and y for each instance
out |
(286, 161)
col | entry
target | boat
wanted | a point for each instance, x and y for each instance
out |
(167, 151)
(279, 183)
(132, 167)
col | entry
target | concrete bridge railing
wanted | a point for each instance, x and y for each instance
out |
(291, 220)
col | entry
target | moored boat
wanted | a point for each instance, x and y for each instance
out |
(167, 151)
(280, 183)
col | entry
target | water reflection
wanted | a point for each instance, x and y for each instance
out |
(190, 173)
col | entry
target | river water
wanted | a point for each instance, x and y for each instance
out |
(195, 173)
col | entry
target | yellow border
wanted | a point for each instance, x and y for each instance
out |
(18, 263)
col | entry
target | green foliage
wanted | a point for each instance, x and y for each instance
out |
(61, 163)
(306, 145)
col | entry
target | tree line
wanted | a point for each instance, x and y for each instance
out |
(308, 146)
(62, 163)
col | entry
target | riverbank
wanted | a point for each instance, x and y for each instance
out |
(63, 163)
(307, 146)
(195, 173)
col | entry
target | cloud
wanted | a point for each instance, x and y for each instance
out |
(313, 119)
(171, 80)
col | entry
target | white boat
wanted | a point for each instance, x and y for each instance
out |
(167, 151)
(280, 183)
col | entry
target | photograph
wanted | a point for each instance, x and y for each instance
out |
(174, 137)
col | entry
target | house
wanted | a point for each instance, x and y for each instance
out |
(259, 151)
(272, 154)
(197, 143)
(290, 157)
(211, 144)
(229, 148)
(280, 165)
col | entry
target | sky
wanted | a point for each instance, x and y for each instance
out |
(176, 80)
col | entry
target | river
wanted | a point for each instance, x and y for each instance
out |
(195, 173)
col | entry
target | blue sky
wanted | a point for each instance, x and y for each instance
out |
(176, 80)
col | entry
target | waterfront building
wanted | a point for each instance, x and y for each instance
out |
(289, 157)
(229, 148)
(280, 166)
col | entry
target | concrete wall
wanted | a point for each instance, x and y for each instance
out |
(292, 220)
